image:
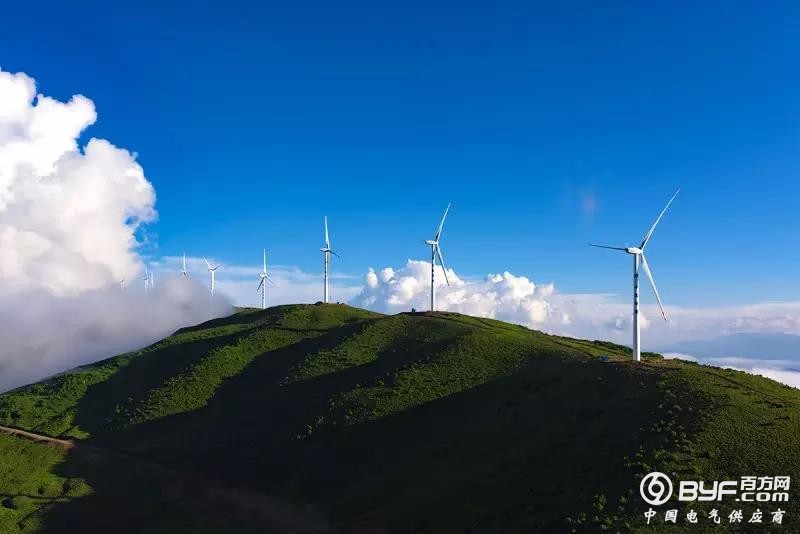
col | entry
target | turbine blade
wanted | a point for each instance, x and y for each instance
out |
(265, 260)
(205, 260)
(441, 260)
(649, 234)
(441, 224)
(653, 285)
(606, 246)
(327, 239)
(260, 285)
(270, 281)
(335, 254)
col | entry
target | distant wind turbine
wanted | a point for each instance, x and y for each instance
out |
(184, 272)
(146, 279)
(638, 255)
(213, 272)
(262, 286)
(326, 251)
(437, 251)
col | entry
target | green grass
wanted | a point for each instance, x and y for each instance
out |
(28, 482)
(414, 422)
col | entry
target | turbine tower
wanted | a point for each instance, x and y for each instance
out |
(262, 286)
(437, 251)
(184, 272)
(638, 257)
(326, 252)
(213, 272)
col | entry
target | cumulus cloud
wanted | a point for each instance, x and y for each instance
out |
(69, 217)
(502, 296)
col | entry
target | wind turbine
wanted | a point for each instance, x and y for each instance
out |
(326, 252)
(638, 255)
(184, 272)
(437, 251)
(262, 286)
(213, 271)
(146, 279)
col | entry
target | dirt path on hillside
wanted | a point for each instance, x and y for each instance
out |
(63, 443)
(198, 489)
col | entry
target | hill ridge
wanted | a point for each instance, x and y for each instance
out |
(470, 424)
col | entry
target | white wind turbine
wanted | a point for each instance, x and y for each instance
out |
(184, 272)
(326, 251)
(638, 254)
(146, 279)
(213, 272)
(262, 286)
(437, 251)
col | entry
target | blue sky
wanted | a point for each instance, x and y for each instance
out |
(252, 121)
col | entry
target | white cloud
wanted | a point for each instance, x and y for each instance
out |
(68, 222)
(502, 296)
(591, 315)
(67, 216)
(48, 334)
(784, 371)
(785, 376)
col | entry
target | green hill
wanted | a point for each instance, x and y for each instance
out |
(388, 424)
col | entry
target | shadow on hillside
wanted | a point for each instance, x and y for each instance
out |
(228, 412)
(256, 415)
(520, 453)
(516, 454)
(129, 495)
(98, 408)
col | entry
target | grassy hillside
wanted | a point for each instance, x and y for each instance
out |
(406, 423)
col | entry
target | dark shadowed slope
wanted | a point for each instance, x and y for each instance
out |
(411, 423)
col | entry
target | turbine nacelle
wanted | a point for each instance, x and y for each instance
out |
(634, 250)
(431, 242)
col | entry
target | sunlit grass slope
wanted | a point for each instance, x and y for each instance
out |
(413, 422)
